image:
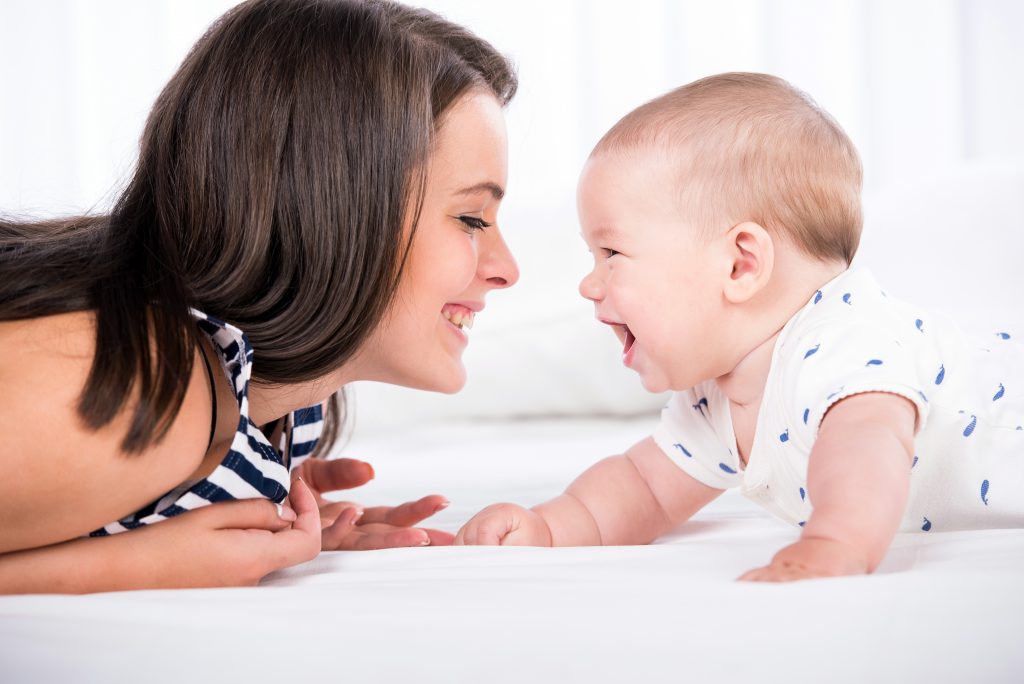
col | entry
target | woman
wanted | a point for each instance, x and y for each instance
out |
(314, 203)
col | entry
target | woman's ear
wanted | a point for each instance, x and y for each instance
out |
(752, 255)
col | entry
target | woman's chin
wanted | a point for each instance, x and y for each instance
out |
(454, 383)
(448, 381)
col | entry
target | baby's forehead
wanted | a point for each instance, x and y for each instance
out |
(642, 174)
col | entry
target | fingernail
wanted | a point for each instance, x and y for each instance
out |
(286, 513)
(370, 469)
(425, 542)
(443, 505)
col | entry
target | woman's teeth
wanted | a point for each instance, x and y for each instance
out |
(460, 319)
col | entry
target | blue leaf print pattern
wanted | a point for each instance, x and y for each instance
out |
(683, 449)
(784, 437)
(873, 362)
(914, 463)
(803, 494)
(923, 396)
(942, 374)
(1003, 336)
(807, 412)
(726, 468)
(812, 351)
(999, 393)
(829, 397)
(919, 324)
(969, 430)
(927, 525)
(701, 404)
(984, 492)
(802, 523)
(846, 298)
(817, 296)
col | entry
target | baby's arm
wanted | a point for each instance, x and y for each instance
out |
(858, 480)
(628, 499)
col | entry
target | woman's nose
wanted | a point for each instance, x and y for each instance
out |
(498, 266)
(591, 287)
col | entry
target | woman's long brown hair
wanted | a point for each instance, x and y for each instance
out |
(275, 173)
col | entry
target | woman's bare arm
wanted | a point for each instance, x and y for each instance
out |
(234, 543)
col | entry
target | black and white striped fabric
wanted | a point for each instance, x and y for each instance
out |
(252, 468)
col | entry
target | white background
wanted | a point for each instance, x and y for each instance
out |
(931, 91)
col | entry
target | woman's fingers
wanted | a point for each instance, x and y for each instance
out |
(306, 509)
(401, 537)
(302, 541)
(333, 536)
(439, 537)
(407, 514)
(246, 514)
(339, 473)
(344, 535)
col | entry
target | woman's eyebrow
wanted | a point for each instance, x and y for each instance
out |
(496, 190)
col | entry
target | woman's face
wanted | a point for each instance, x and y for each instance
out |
(458, 255)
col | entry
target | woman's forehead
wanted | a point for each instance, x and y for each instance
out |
(471, 151)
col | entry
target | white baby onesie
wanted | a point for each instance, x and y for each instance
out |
(850, 338)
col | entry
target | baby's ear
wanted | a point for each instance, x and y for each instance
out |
(752, 255)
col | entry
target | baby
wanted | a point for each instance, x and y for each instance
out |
(723, 217)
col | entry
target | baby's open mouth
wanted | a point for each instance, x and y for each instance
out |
(628, 342)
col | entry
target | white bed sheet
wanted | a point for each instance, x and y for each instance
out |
(944, 607)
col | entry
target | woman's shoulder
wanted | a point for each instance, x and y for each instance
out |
(63, 478)
(33, 339)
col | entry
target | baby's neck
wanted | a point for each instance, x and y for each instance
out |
(793, 283)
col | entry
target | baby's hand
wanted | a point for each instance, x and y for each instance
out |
(505, 525)
(809, 558)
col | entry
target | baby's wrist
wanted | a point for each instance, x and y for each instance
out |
(542, 528)
(834, 554)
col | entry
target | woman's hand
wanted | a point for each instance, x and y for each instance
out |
(348, 526)
(235, 542)
(810, 558)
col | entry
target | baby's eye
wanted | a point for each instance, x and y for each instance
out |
(609, 253)
(474, 223)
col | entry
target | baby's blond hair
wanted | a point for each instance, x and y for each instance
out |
(751, 147)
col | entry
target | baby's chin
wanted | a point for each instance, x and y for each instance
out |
(655, 383)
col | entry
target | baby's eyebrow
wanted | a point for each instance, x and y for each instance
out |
(604, 233)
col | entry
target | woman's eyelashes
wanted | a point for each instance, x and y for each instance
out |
(474, 223)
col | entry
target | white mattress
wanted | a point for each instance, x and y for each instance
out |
(944, 607)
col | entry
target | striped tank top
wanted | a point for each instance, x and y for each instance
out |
(253, 467)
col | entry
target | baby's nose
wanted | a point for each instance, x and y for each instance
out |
(591, 287)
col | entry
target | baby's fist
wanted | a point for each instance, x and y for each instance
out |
(505, 525)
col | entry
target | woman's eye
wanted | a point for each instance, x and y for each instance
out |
(474, 223)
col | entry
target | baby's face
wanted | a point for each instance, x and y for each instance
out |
(652, 280)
